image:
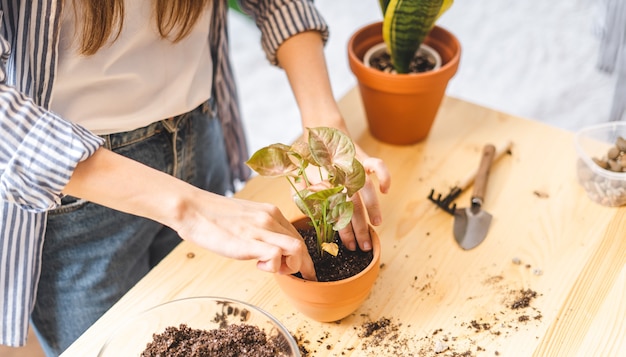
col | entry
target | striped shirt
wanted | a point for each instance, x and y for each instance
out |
(39, 150)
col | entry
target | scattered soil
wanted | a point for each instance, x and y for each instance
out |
(303, 345)
(329, 268)
(229, 313)
(523, 299)
(507, 311)
(420, 63)
(234, 340)
(384, 334)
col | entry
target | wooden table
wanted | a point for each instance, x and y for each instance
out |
(546, 237)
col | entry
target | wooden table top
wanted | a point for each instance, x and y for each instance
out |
(546, 238)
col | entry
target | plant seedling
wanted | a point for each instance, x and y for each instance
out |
(325, 200)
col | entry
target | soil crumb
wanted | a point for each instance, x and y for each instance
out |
(303, 344)
(483, 334)
(523, 299)
(383, 336)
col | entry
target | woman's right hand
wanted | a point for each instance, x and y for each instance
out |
(231, 227)
(244, 230)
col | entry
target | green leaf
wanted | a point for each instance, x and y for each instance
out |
(301, 149)
(354, 180)
(330, 147)
(324, 195)
(272, 161)
(324, 202)
(446, 5)
(311, 208)
(383, 5)
(342, 214)
(406, 24)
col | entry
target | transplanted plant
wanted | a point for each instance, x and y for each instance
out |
(406, 24)
(325, 198)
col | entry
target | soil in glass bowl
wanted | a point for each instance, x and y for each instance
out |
(237, 340)
(202, 326)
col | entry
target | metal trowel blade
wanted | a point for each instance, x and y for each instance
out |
(470, 228)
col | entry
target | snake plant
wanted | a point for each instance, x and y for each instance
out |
(406, 24)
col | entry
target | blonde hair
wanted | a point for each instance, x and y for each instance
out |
(103, 20)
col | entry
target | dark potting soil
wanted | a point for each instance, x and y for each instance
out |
(420, 63)
(232, 341)
(329, 268)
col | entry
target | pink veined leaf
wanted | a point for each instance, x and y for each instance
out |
(355, 179)
(341, 214)
(341, 175)
(330, 147)
(301, 149)
(272, 161)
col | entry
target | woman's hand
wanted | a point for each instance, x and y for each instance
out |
(245, 230)
(366, 204)
(231, 227)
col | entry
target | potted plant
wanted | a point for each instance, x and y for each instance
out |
(401, 106)
(328, 154)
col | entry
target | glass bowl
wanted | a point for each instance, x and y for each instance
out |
(601, 165)
(204, 313)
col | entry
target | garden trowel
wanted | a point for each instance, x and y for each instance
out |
(472, 223)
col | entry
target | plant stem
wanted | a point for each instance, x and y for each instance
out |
(316, 226)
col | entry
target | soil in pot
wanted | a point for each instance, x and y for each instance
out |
(329, 268)
(420, 63)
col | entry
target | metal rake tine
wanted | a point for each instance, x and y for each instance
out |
(432, 196)
(445, 203)
(437, 200)
(454, 193)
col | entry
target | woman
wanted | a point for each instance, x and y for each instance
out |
(123, 136)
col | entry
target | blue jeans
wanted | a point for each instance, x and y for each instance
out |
(93, 255)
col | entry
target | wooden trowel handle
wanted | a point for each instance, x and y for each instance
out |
(480, 183)
(500, 151)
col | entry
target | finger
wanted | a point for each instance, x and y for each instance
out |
(360, 224)
(306, 268)
(268, 256)
(295, 257)
(270, 266)
(267, 247)
(292, 256)
(378, 167)
(276, 216)
(289, 229)
(348, 238)
(371, 203)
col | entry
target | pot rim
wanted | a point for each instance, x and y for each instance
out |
(447, 69)
(369, 267)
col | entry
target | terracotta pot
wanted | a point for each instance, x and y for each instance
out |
(401, 108)
(333, 300)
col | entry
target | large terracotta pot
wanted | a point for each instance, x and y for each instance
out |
(334, 300)
(401, 108)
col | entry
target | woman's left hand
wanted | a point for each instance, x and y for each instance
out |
(366, 204)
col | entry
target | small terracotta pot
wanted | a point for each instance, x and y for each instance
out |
(333, 300)
(401, 108)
